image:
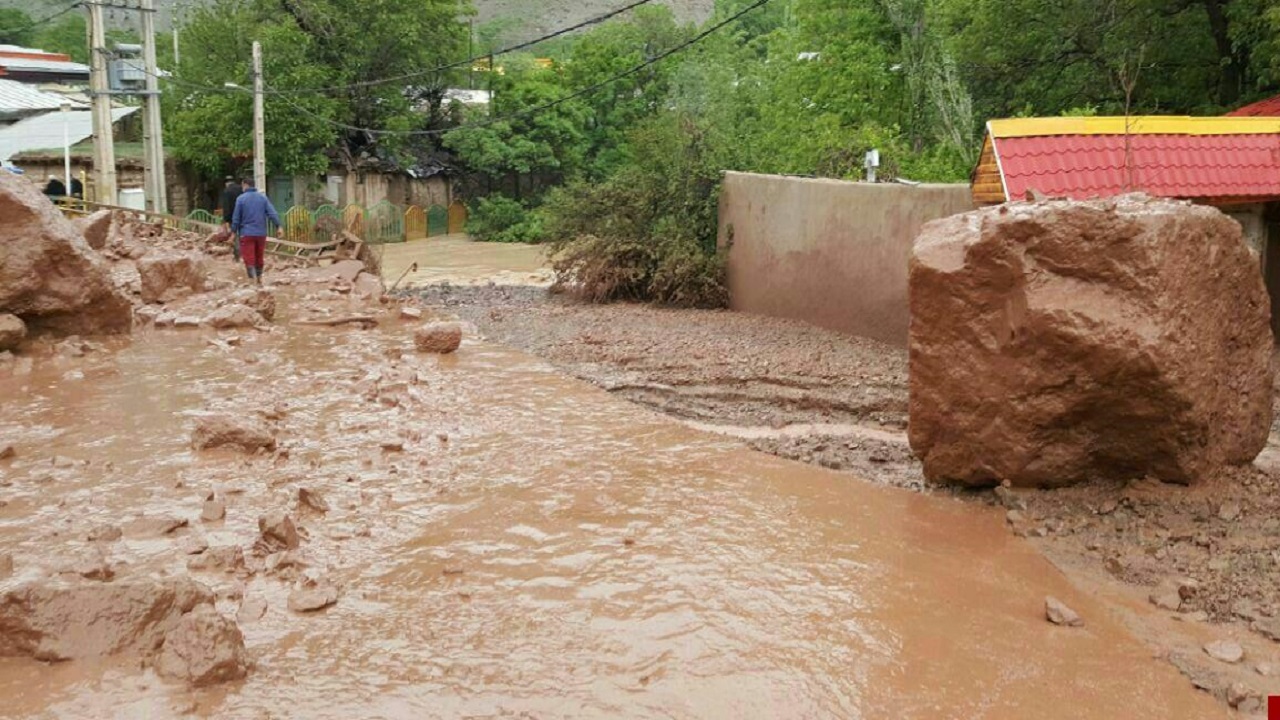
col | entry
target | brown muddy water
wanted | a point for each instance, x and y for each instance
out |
(537, 549)
(458, 260)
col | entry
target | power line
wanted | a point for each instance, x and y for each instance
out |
(546, 106)
(469, 61)
(44, 20)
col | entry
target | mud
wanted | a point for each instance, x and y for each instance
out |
(839, 402)
(481, 536)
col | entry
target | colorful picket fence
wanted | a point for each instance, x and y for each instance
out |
(385, 222)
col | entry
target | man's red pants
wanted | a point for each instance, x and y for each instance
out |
(253, 251)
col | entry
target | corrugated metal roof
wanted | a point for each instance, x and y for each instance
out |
(45, 131)
(1168, 165)
(1263, 108)
(20, 98)
(36, 65)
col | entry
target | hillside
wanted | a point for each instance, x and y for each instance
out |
(518, 19)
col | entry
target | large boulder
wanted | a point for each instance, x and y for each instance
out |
(54, 620)
(49, 276)
(438, 337)
(244, 432)
(1058, 342)
(169, 276)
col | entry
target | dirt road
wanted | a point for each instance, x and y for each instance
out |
(511, 542)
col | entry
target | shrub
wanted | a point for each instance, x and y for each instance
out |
(648, 232)
(500, 219)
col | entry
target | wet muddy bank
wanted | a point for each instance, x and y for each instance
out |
(838, 402)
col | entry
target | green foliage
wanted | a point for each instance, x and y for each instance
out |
(16, 27)
(500, 219)
(312, 44)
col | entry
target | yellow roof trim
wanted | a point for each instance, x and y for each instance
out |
(1137, 125)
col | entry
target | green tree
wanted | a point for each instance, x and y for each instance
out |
(16, 27)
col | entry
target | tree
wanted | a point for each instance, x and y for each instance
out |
(345, 79)
(16, 27)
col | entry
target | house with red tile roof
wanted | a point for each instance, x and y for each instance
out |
(1231, 162)
(1263, 108)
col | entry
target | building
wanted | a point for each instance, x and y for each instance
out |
(1232, 163)
(19, 101)
(27, 65)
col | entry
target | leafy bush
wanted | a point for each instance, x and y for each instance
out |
(648, 232)
(501, 219)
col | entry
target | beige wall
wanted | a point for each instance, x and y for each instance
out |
(369, 189)
(828, 252)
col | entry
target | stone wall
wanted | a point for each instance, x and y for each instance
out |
(828, 252)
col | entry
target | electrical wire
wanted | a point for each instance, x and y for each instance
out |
(45, 20)
(471, 61)
(468, 62)
(545, 106)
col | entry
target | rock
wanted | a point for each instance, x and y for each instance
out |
(1009, 499)
(53, 620)
(369, 286)
(234, 316)
(154, 526)
(1166, 601)
(1264, 669)
(226, 558)
(12, 331)
(1237, 693)
(1188, 588)
(204, 649)
(252, 608)
(1225, 651)
(391, 445)
(236, 431)
(168, 276)
(312, 499)
(1251, 705)
(438, 337)
(410, 313)
(278, 531)
(7, 452)
(1229, 511)
(312, 595)
(213, 510)
(34, 239)
(193, 545)
(1068, 341)
(1059, 614)
(62, 462)
(96, 228)
(1266, 627)
(344, 270)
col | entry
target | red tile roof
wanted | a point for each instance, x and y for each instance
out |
(1263, 108)
(1194, 163)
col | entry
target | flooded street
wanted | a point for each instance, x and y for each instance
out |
(511, 542)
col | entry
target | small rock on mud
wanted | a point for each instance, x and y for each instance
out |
(278, 531)
(213, 510)
(12, 331)
(313, 500)
(1225, 651)
(1059, 614)
(204, 649)
(243, 432)
(441, 337)
(312, 595)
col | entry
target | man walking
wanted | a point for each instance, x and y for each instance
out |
(249, 222)
(229, 196)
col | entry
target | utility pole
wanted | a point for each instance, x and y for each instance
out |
(259, 123)
(104, 149)
(152, 131)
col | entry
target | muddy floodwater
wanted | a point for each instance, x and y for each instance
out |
(457, 260)
(511, 542)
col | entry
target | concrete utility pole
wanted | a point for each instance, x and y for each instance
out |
(104, 149)
(259, 123)
(152, 131)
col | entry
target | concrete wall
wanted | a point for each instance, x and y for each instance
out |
(828, 252)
